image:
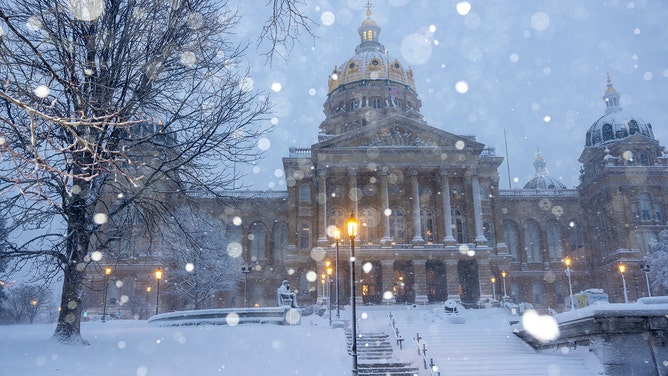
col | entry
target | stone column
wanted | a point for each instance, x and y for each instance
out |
(417, 220)
(386, 240)
(322, 207)
(452, 275)
(387, 278)
(420, 276)
(447, 208)
(352, 190)
(477, 210)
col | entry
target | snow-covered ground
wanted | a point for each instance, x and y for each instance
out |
(120, 347)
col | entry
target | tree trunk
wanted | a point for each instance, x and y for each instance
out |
(69, 318)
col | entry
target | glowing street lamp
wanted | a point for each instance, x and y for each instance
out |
(493, 288)
(622, 269)
(158, 277)
(107, 272)
(505, 294)
(352, 225)
(567, 261)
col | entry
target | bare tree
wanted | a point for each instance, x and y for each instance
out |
(205, 261)
(110, 111)
(25, 302)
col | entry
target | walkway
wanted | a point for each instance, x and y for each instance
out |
(473, 342)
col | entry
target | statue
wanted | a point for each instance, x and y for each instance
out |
(286, 297)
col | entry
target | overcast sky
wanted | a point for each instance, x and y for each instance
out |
(535, 68)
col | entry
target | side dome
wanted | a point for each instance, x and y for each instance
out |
(616, 124)
(541, 179)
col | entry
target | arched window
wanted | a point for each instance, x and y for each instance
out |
(304, 193)
(607, 132)
(368, 222)
(337, 217)
(487, 232)
(397, 226)
(510, 236)
(459, 226)
(428, 228)
(280, 242)
(375, 102)
(537, 293)
(531, 241)
(645, 207)
(644, 159)
(554, 248)
(352, 105)
(633, 127)
(258, 244)
(304, 235)
(575, 239)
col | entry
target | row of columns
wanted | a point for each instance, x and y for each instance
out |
(417, 239)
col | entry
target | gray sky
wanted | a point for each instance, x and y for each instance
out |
(536, 68)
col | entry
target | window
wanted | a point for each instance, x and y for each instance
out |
(337, 217)
(644, 159)
(658, 212)
(510, 236)
(352, 105)
(531, 241)
(375, 102)
(304, 235)
(257, 240)
(397, 223)
(554, 240)
(304, 193)
(487, 232)
(633, 127)
(367, 228)
(607, 132)
(645, 207)
(537, 292)
(428, 228)
(280, 241)
(459, 226)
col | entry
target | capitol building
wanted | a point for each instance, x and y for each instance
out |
(433, 222)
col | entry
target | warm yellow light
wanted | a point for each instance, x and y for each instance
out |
(567, 261)
(34, 302)
(107, 270)
(622, 268)
(493, 280)
(148, 289)
(328, 263)
(329, 271)
(352, 225)
(158, 274)
(337, 234)
(503, 274)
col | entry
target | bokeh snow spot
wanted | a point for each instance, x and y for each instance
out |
(292, 316)
(540, 21)
(234, 249)
(42, 91)
(318, 254)
(367, 267)
(311, 276)
(542, 327)
(263, 144)
(100, 218)
(461, 87)
(416, 49)
(86, 10)
(232, 318)
(327, 18)
(463, 8)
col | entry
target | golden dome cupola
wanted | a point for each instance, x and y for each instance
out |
(370, 86)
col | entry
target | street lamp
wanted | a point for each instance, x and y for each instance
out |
(493, 288)
(337, 236)
(158, 277)
(329, 291)
(567, 261)
(505, 294)
(246, 270)
(148, 296)
(352, 225)
(622, 269)
(107, 272)
(645, 269)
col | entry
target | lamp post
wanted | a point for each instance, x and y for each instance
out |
(505, 294)
(493, 288)
(148, 296)
(337, 236)
(246, 270)
(645, 269)
(158, 277)
(622, 269)
(567, 261)
(352, 233)
(329, 292)
(107, 272)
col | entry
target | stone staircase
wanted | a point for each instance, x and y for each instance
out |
(375, 356)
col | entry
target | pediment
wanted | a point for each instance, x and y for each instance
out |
(399, 132)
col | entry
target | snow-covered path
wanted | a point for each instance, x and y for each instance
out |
(476, 342)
